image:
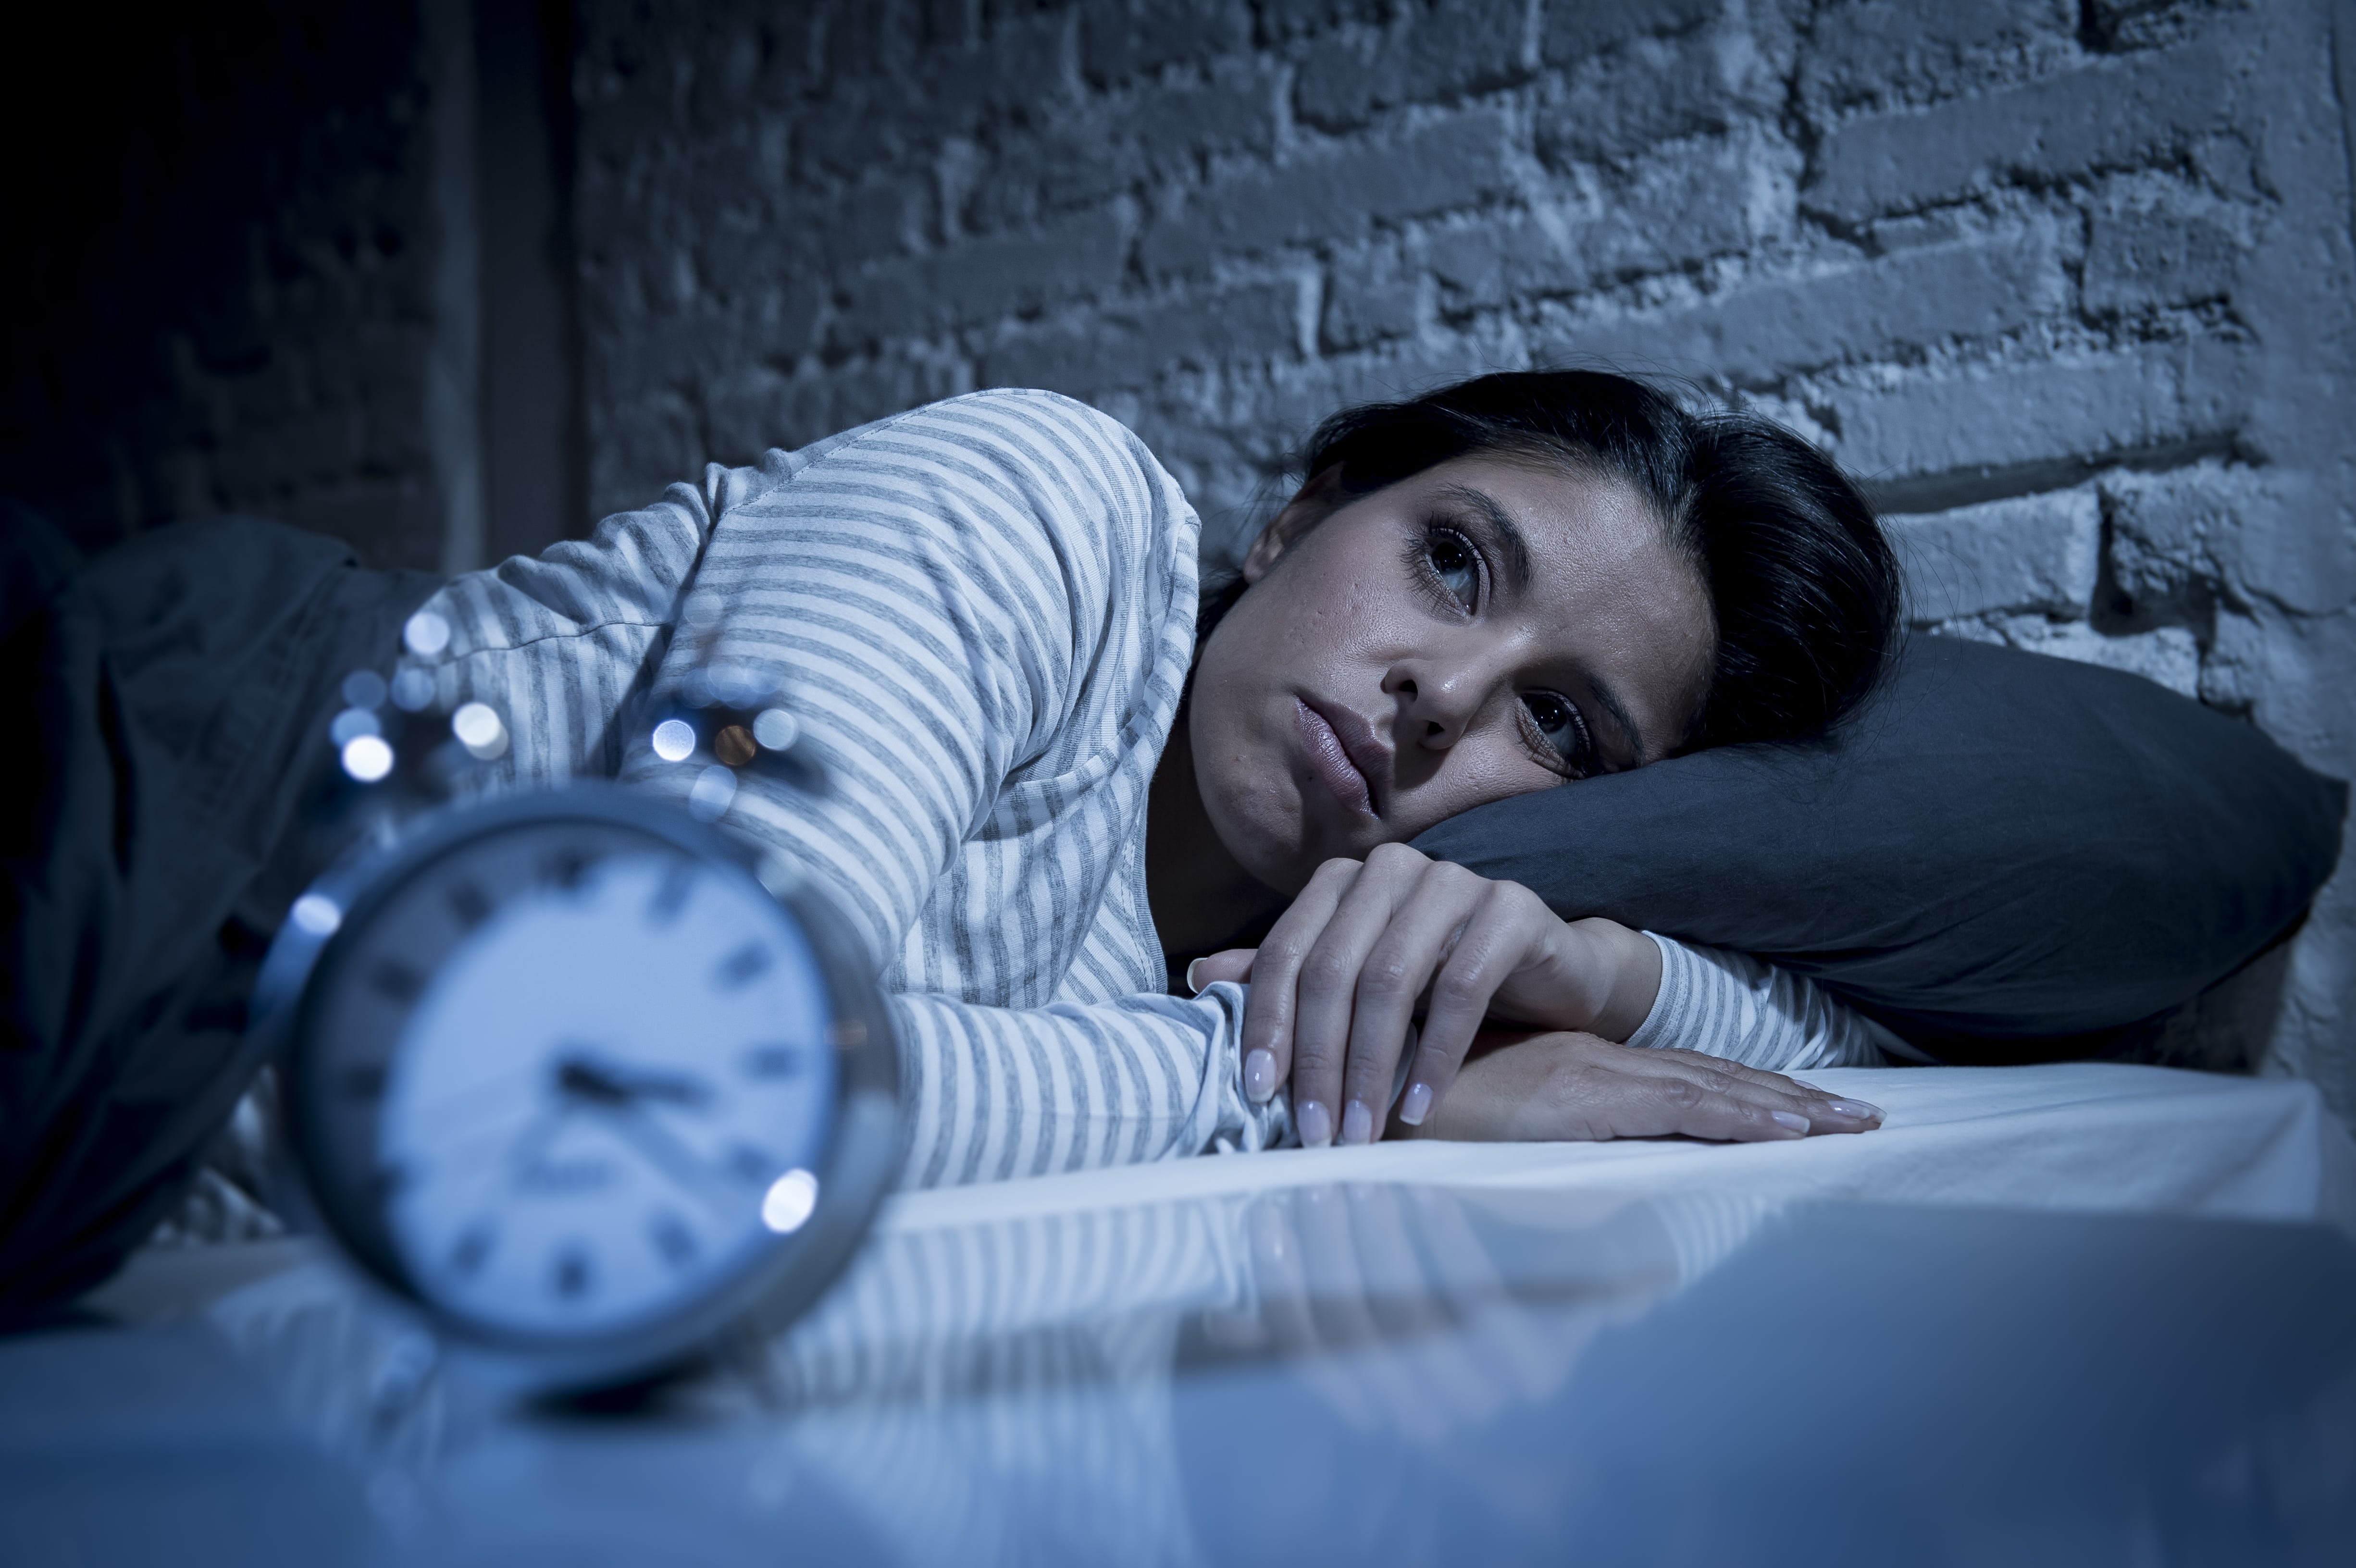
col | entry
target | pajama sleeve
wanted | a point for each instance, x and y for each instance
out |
(981, 613)
(1747, 1010)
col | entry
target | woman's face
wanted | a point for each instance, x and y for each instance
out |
(1490, 626)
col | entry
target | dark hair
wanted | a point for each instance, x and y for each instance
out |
(1804, 586)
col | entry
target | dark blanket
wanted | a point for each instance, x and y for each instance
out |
(172, 698)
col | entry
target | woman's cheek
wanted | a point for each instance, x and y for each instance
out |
(1475, 773)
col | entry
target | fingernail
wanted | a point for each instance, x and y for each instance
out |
(1316, 1123)
(1259, 1076)
(1856, 1108)
(1197, 989)
(1415, 1104)
(1357, 1123)
(1790, 1120)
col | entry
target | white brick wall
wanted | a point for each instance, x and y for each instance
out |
(2069, 285)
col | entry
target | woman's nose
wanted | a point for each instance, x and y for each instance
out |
(1436, 701)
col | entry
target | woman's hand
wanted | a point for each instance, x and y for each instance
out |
(1337, 982)
(1554, 1087)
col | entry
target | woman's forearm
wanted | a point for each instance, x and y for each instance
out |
(994, 1093)
(1623, 977)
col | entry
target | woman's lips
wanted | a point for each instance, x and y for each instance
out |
(1330, 759)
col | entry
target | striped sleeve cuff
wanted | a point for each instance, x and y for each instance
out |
(1740, 1008)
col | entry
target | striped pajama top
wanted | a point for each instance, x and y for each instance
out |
(983, 615)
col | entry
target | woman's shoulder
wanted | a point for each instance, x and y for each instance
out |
(1033, 473)
(997, 427)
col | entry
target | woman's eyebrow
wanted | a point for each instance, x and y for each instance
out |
(1501, 522)
(1610, 703)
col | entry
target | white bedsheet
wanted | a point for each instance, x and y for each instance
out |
(2084, 1135)
(2088, 1137)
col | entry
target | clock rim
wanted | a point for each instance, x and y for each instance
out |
(858, 1158)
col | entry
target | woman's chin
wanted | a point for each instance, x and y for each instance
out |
(1268, 834)
(1285, 860)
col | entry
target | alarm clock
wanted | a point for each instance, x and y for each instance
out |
(583, 1080)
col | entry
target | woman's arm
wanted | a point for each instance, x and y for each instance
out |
(1738, 1008)
(1344, 970)
(982, 613)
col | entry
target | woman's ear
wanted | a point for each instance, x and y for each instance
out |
(1310, 506)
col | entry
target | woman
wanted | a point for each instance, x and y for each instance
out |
(985, 612)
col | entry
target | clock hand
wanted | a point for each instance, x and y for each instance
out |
(721, 1191)
(582, 1077)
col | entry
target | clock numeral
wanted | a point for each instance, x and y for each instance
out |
(397, 981)
(742, 967)
(773, 1062)
(474, 1246)
(564, 1178)
(364, 1082)
(566, 870)
(671, 894)
(470, 905)
(672, 1239)
(573, 1276)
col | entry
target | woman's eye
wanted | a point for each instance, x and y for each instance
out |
(1452, 561)
(1559, 723)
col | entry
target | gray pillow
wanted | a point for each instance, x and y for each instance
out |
(2003, 856)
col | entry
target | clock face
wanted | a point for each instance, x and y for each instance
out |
(579, 1077)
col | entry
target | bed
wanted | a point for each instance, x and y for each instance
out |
(2065, 1310)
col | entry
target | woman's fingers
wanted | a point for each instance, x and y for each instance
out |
(1359, 987)
(1275, 969)
(1576, 1086)
(1496, 937)
(1628, 1092)
(1825, 1111)
(1422, 949)
(1329, 983)
(1234, 964)
(1641, 1093)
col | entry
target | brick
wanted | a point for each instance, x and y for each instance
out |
(2170, 656)
(2167, 531)
(858, 40)
(883, 217)
(1230, 112)
(1912, 300)
(1021, 64)
(1458, 48)
(750, 410)
(2145, 24)
(1130, 345)
(1921, 439)
(1670, 212)
(2138, 259)
(647, 438)
(1673, 91)
(1119, 41)
(1154, 134)
(1367, 299)
(2033, 553)
(2104, 116)
(2277, 536)
(1455, 163)
(1267, 418)
(1002, 275)
(1574, 30)
(1858, 53)
(1291, 18)
(949, 24)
